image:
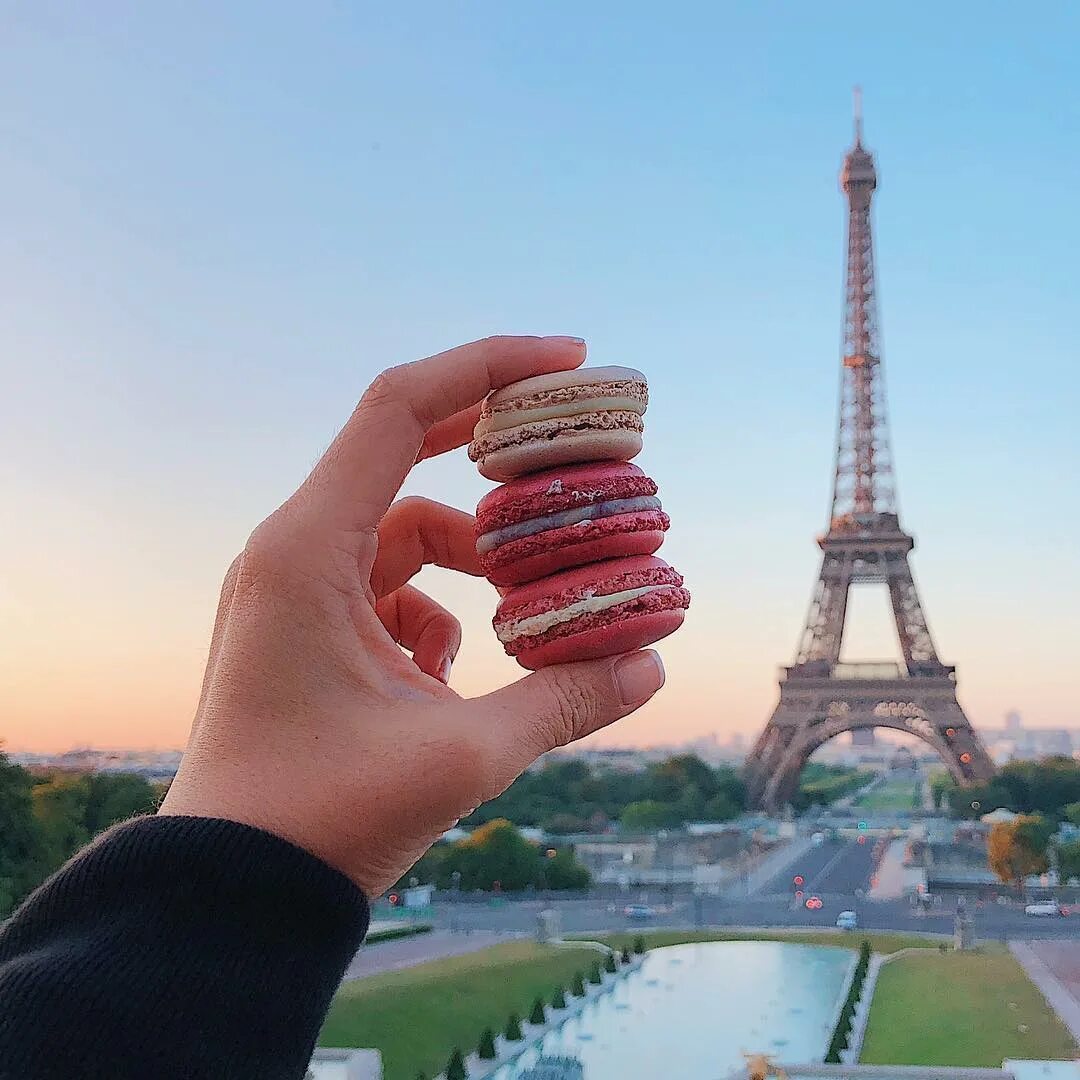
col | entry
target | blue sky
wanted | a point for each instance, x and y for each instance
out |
(223, 220)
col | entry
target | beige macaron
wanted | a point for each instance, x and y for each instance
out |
(591, 414)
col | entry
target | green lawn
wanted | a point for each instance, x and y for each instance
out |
(418, 1015)
(898, 793)
(960, 1009)
(882, 943)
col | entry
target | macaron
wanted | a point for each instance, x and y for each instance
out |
(567, 516)
(601, 609)
(591, 414)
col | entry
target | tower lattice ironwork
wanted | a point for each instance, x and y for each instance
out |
(820, 696)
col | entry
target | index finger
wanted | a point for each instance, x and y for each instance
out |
(363, 469)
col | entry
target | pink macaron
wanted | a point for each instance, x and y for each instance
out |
(602, 609)
(565, 517)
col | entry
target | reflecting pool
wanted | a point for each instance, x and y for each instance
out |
(691, 1010)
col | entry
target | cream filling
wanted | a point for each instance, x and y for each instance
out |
(576, 515)
(540, 624)
(509, 418)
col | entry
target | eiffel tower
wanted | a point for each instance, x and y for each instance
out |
(820, 696)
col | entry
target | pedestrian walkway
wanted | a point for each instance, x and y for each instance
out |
(773, 863)
(407, 952)
(893, 879)
(1054, 967)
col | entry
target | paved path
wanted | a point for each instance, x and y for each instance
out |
(1054, 967)
(405, 952)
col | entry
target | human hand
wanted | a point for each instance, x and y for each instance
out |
(313, 723)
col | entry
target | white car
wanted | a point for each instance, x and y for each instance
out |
(1043, 907)
(638, 911)
(847, 920)
(817, 839)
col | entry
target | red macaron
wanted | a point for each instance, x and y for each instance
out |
(602, 609)
(567, 516)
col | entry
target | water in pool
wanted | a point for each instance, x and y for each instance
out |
(691, 1011)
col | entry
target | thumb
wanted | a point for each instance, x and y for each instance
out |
(560, 704)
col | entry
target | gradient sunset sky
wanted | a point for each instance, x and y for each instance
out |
(222, 220)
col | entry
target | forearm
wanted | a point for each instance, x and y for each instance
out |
(176, 947)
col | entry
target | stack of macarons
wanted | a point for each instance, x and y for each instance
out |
(568, 538)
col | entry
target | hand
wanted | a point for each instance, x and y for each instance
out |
(313, 723)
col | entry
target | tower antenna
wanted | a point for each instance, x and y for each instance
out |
(857, 94)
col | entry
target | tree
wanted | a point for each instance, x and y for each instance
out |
(512, 1031)
(60, 809)
(113, 797)
(647, 816)
(563, 871)
(22, 854)
(537, 1015)
(486, 1049)
(1048, 786)
(978, 799)
(625, 955)
(563, 824)
(722, 807)
(1071, 813)
(558, 999)
(595, 974)
(455, 1067)
(1017, 849)
(577, 985)
(569, 796)
(609, 962)
(639, 944)
(1068, 860)
(497, 852)
(941, 787)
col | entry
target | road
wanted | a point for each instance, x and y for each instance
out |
(837, 871)
(836, 867)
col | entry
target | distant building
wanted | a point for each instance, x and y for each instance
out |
(1013, 724)
(666, 857)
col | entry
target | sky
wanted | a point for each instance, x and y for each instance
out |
(221, 221)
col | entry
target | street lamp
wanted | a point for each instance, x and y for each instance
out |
(455, 895)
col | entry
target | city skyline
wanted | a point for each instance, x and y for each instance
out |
(206, 272)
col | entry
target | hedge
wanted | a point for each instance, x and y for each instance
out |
(840, 1035)
(394, 932)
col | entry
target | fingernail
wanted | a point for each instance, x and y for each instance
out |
(444, 670)
(579, 342)
(638, 676)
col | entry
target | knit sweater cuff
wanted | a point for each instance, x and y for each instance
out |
(196, 945)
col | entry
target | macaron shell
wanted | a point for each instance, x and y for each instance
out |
(568, 485)
(560, 380)
(547, 553)
(621, 636)
(611, 576)
(513, 461)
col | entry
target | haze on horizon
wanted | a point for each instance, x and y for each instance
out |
(226, 226)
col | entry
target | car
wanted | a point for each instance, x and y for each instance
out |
(638, 911)
(847, 920)
(1044, 907)
(817, 839)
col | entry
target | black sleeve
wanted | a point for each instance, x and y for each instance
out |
(176, 948)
